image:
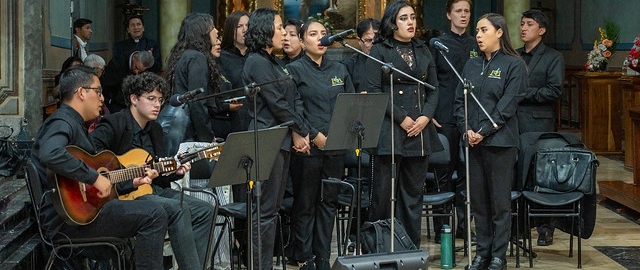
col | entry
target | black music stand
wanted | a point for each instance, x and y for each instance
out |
(237, 159)
(351, 115)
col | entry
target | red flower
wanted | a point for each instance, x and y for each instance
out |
(607, 54)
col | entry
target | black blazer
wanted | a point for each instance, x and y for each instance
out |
(409, 98)
(537, 112)
(115, 133)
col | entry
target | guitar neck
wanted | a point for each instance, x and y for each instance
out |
(125, 174)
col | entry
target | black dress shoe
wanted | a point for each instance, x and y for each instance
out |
(545, 239)
(478, 263)
(497, 264)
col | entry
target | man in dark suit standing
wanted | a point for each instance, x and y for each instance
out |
(138, 42)
(546, 75)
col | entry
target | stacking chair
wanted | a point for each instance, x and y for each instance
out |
(546, 202)
(71, 245)
(439, 204)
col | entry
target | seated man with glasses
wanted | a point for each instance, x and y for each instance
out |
(189, 222)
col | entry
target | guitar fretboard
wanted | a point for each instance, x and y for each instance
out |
(125, 174)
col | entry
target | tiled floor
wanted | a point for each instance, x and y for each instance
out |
(614, 234)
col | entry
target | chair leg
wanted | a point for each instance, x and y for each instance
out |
(579, 234)
(517, 234)
(528, 232)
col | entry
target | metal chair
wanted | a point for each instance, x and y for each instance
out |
(72, 245)
(554, 205)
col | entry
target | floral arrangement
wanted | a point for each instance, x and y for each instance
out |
(634, 54)
(598, 58)
(323, 19)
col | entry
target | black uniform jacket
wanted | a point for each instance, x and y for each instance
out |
(318, 87)
(356, 65)
(461, 49)
(115, 133)
(546, 76)
(276, 102)
(499, 89)
(409, 98)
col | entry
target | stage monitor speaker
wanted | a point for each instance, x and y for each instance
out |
(401, 260)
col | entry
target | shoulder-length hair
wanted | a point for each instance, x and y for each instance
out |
(229, 31)
(260, 30)
(388, 21)
(194, 35)
(499, 22)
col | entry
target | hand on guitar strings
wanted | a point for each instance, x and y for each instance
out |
(103, 185)
(184, 168)
(150, 174)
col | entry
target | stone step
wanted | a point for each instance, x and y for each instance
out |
(15, 204)
(11, 240)
(22, 258)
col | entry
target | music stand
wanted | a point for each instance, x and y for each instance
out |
(235, 165)
(351, 115)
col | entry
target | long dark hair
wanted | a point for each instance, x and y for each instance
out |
(229, 31)
(261, 29)
(388, 21)
(500, 23)
(194, 35)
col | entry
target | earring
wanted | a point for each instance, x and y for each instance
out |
(395, 27)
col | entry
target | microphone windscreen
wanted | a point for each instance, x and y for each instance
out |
(432, 42)
(326, 41)
(174, 101)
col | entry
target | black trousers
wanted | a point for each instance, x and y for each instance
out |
(491, 171)
(410, 175)
(314, 204)
(271, 199)
(144, 220)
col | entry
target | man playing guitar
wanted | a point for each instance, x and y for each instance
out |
(82, 99)
(190, 221)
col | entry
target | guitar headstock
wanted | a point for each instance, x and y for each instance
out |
(211, 152)
(166, 165)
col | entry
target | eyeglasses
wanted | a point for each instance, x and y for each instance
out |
(97, 89)
(154, 99)
(368, 40)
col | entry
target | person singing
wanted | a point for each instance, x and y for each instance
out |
(413, 107)
(318, 81)
(500, 78)
(275, 104)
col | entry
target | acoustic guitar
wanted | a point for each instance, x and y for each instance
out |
(78, 203)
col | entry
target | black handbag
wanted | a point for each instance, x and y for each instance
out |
(566, 169)
(10, 157)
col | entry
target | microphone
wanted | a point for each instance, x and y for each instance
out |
(177, 100)
(435, 42)
(328, 40)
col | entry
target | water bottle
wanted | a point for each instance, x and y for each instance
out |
(446, 259)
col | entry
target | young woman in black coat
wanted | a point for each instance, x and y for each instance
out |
(413, 107)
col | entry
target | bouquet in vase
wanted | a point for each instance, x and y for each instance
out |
(634, 54)
(604, 48)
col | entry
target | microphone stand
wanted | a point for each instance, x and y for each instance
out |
(388, 69)
(248, 89)
(467, 86)
(252, 90)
